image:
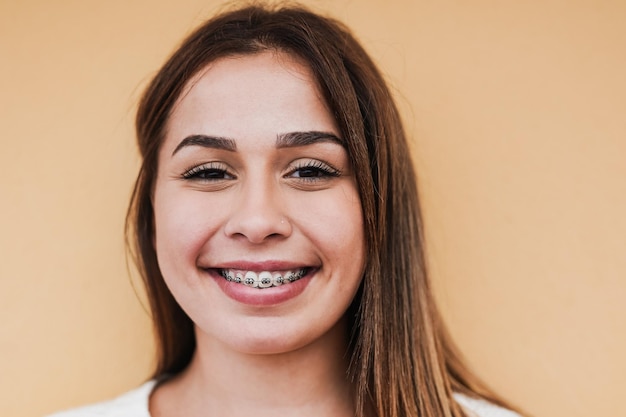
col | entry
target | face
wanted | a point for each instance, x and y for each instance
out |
(259, 229)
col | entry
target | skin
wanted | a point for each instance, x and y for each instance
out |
(256, 196)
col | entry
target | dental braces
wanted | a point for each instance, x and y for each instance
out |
(264, 282)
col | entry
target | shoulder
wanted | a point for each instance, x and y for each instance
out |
(131, 404)
(482, 408)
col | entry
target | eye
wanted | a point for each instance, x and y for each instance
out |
(313, 171)
(212, 171)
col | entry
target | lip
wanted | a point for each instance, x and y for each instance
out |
(274, 265)
(266, 296)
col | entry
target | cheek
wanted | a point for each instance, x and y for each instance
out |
(183, 224)
(334, 222)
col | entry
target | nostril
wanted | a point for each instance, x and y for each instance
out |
(257, 229)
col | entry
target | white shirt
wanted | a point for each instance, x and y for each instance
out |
(135, 404)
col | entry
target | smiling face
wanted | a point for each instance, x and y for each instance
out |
(255, 186)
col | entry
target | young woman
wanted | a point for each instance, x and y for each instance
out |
(276, 223)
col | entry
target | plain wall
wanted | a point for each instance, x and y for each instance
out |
(517, 111)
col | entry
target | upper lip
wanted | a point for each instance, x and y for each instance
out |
(269, 265)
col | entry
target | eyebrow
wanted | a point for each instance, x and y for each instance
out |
(283, 140)
(215, 142)
(295, 139)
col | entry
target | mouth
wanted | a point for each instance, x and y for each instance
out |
(263, 279)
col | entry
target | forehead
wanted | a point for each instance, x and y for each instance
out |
(261, 64)
(268, 91)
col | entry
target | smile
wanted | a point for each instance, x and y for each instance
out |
(263, 279)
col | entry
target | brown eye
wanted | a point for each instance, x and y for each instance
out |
(208, 172)
(313, 170)
(310, 172)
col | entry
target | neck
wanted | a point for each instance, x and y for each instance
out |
(309, 381)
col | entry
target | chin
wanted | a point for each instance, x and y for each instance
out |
(273, 336)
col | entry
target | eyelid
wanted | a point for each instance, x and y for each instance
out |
(214, 166)
(314, 164)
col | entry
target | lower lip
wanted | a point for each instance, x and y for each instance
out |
(262, 297)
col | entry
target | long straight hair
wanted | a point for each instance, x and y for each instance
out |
(402, 361)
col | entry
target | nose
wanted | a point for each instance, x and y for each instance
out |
(258, 214)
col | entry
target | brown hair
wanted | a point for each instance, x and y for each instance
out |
(403, 362)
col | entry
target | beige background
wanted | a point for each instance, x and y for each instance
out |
(518, 113)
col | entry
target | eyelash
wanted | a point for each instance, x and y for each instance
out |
(319, 170)
(211, 171)
(214, 171)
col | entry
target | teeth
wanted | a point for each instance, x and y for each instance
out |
(228, 275)
(251, 279)
(277, 279)
(263, 279)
